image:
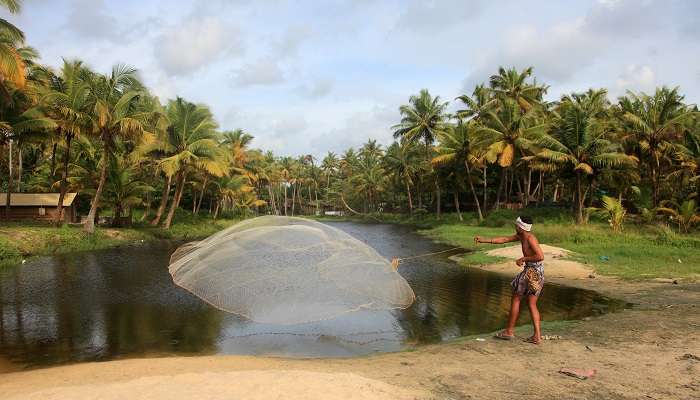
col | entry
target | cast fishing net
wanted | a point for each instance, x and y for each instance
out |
(285, 270)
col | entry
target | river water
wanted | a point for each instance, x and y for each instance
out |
(121, 303)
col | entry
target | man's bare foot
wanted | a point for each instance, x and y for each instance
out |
(534, 339)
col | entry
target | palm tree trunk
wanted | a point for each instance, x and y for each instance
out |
(19, 168)
(455, 195)
(501, 186)
(89, 226)
(271, 204)
(299, 198)
(318, 205)
(485, 187)
(201, 194)
(116, 221)
(9, 182)
(148, 207)
(438, 196)
(308, 189)
(64, 177)
(579, 199)
(655, 181)
(419, 192)
(528, 185)
(216, 209)
(179, 188)
(471, 186)
(509, 195)
(285, 200)
(294, 196)
(410, 200)
(163, 202)
(53, 162)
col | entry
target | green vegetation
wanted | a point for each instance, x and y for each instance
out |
(106, 137)
(20, 241)
(640, 252)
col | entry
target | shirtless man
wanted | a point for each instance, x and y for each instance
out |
(528, 282)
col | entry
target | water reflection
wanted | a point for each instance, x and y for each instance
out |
(122, 303)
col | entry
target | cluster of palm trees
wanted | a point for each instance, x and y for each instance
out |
(107, 138)
(508, 147)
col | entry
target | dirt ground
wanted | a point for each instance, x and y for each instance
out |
(651, 351)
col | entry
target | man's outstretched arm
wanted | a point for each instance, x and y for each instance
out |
(497, 240)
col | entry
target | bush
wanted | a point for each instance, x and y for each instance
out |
(8, 252)
(665, 236)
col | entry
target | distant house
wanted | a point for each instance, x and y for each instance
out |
(37, 206)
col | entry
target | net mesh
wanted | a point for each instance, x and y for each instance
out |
(286, 270)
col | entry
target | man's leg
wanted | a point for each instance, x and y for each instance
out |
(513, 316)
(535, 314)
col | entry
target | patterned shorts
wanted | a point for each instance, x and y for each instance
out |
(530, 280)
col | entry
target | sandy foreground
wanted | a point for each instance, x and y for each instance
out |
(649, 352)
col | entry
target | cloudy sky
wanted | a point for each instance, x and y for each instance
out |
(311, 77)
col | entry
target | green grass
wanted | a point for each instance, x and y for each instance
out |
(20, 241)
(639, 252)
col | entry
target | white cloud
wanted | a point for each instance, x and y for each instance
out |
(317, 89)
(636, 77)
(430, 16)
(288, 45)
(261, 72)
(88, 17)
(196, 42)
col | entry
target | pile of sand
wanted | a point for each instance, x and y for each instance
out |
(251, 385)
(554, 264)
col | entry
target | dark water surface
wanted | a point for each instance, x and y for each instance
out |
(122, 303)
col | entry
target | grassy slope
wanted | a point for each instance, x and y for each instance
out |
(19, 241)
(637, 253)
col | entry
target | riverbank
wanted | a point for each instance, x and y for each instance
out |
(20, 241)
(639, 252)
(649, 351)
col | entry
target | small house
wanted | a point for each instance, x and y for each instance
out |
(37, 207)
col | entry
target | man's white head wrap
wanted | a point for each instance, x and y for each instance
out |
(524, 226)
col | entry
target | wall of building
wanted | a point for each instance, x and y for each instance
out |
(19, 213)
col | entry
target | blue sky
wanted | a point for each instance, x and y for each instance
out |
(312, 76)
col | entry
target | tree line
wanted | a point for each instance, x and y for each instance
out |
(108, 138)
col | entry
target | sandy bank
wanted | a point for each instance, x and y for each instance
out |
(554, 264)
(252, 385)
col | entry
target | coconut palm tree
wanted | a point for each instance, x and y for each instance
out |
(456, 148)
(686, 214)
(509, 83)
(65, 100)
(654, 124)
(400, 161)
(19, 123)
(507, 133)
(115, 112)
(13, 55)
(191, 141)
(478, 103)
(329, 167)
(423, 119)
(580, 141)
(123, 189)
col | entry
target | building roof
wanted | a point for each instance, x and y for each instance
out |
(37, 199)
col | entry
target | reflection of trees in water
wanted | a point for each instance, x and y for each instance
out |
(91, 308)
